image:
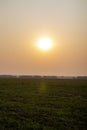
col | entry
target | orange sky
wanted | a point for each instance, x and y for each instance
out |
(24, 22)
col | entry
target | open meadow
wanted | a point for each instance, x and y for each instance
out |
(43, 104)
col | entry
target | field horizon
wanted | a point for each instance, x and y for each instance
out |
(43, 64)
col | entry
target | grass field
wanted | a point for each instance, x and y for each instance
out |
(43, 104)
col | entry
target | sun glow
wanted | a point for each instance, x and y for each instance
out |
(44, 44)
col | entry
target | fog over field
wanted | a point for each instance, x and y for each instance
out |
(43, 64)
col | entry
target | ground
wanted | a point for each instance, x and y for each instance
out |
(43, 104)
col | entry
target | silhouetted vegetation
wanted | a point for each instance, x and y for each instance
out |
(43, 104)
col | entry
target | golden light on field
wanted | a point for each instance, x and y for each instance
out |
(44, 44)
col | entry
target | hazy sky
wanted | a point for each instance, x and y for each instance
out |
(23, 22)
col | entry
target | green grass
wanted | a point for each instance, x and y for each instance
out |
(42, 104)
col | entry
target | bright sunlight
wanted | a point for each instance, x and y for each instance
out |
(44, 44)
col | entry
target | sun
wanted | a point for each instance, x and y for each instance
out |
(44, 44)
